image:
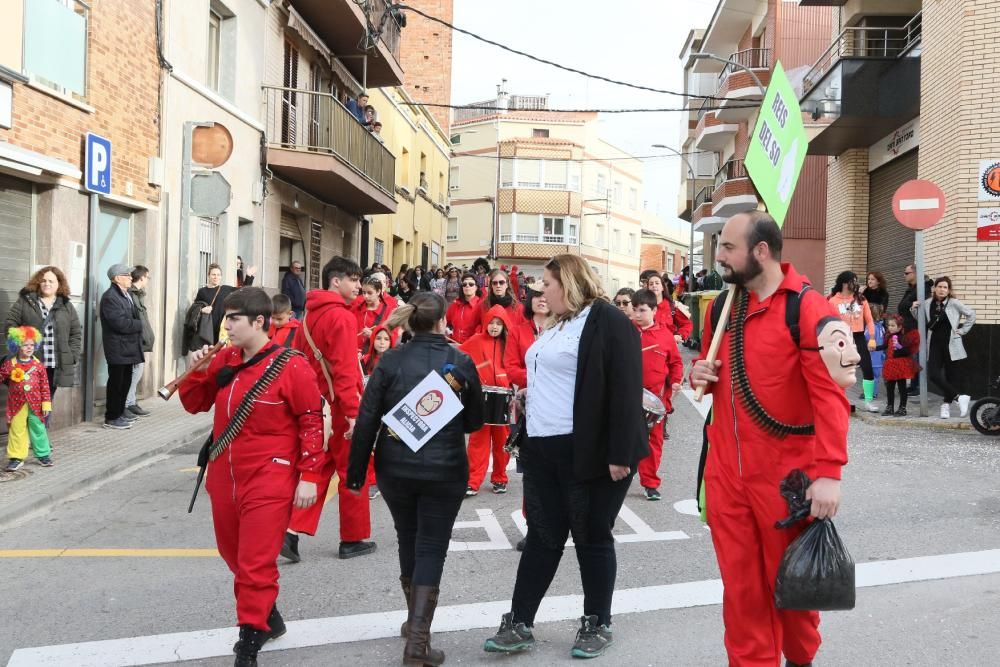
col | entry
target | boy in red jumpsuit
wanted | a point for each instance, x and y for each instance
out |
(662, 371)
(334, 329)
(487, 352)
(284, 327)
(747, 458)
(272, 463)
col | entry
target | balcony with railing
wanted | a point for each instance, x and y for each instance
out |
(865, 85)
(702, 218)
(733, 191)
(712, 134)
(370, 29)
(738, 91)
(315, 143)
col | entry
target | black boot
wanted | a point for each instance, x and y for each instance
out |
(404, 583)
(275, 622)
(251, 639)
(418, 651)
(290, 547)
(901, 412)
(889, 411)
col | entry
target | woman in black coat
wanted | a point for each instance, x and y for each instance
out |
(44, 304)
(213, 294)
(586, 435)
(424, 488)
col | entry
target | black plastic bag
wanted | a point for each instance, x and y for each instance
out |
(816, 572)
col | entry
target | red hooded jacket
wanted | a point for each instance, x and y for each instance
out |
(519, 339)
(487, 352)
(669, 317)
(333, 328)
(464, 319)
(286, 335)
(370, 358)
(662, 365)
(367, 318)
(795, 387)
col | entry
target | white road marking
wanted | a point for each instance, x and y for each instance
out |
(202, 644)
(488, 522)
(704, 406)
(919, 204)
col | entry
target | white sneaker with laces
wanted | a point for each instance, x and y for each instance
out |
(871, 407)
(945, 411)
(963, 404)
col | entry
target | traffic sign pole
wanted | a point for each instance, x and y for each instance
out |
(918, 246)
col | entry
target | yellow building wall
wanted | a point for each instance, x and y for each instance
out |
(420, 218)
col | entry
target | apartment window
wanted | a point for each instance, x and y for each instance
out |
(379, 251)
(423, 171)
(670, 264)
(506, 173)
(553, 230)
(540, 134)
(616, 194)
(529, 173)
(631, 244)
(442, 187)
(506, 228)
(556, 174)
(289, 98)
(435, 253)
(404, 168)
(616, 243)
(601, 186)
(633, 198)
(453, 179)
(599, 235)
(452, 229)
(55, 45)
(573, 233)
(221, 53)
(456, 139)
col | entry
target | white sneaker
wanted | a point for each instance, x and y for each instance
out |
(945, 411)
(871, 407)
(963, 404)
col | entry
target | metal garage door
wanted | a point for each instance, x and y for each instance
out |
(15, 249)
(890, 244)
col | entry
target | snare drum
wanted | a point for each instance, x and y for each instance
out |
(496, 405)
(652, 408)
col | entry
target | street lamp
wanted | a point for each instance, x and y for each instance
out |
(691, 177)
(727, 61)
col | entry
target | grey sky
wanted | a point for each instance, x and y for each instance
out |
(631, 40)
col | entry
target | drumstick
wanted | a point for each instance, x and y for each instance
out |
(713, 349)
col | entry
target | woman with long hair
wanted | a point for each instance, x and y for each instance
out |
(585, 437)
(452, 285)
(948, 320)
(853, 309)
(372, 308)
(875, 291)
(463, 314)
(668, 315)
(423, 489)
(522, 336)
(499, 292)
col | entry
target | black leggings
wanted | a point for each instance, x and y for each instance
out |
(890, 393)
(867, 372)
(940, 366)
(558, 505)
(423, 512)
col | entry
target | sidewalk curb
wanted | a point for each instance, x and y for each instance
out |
(31, 504)
(924, 422)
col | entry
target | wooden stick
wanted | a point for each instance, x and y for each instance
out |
(720, 329)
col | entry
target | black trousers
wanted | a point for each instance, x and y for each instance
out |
(940, 367)
(867, 371)
(119, 380)
(423, 513)
(557, 505)
(50, 373)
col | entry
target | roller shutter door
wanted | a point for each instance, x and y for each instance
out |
(15, 249)
(890, 244)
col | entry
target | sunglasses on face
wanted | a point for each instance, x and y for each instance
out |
(468, 284)
(622, 304)
(499, 282)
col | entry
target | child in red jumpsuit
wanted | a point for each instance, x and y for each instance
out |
(487, 352)
(662, 371)
(272, 464)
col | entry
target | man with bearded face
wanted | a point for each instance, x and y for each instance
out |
(776, 407)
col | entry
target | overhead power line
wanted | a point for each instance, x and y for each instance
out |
(551, 63)
(619, 158)
(613, 111)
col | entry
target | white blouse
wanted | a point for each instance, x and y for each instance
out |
(551, 362)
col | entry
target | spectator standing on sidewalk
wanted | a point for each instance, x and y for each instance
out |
(948, 319)
(291, 286)
(213, 294)
(121, 334)
(140, 278)
(855, 313)
(875, 292)
(905, 310)
(44, 304)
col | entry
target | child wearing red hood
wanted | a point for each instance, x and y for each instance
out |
(487, 352)
(284, 327)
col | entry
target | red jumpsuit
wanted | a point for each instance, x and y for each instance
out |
(519, 339)
(662, 366)
(515, 312)
(369, 319)
(286, 335)
(671, 318)
(464, 319)
(334, 330)
(252, 483)
(487, 354)
(746, 463)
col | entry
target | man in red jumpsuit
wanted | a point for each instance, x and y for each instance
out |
(273, 462)
(747, 460)
(334, 329)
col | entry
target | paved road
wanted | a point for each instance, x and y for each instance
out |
(910, 494)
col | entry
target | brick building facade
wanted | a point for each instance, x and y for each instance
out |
(425, 56)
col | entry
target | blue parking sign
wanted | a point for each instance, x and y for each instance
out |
(97, 158)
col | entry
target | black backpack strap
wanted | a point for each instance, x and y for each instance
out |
(792, 309)
(702, 460)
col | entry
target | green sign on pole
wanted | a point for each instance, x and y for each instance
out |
(778, 146)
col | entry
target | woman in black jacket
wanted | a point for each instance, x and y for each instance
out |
(424, 488)
(213, 295)
(44, 304)
(586, 435)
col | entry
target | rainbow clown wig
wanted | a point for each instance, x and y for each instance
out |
(18, 336)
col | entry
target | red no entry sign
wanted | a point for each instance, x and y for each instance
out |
(918, 204)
